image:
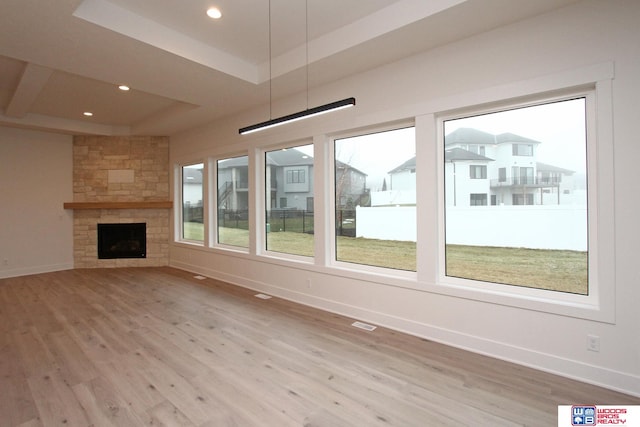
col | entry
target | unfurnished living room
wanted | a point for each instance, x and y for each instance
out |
(319, 213)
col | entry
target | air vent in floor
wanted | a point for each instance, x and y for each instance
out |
(364, 326)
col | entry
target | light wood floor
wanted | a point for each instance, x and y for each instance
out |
(154, 346)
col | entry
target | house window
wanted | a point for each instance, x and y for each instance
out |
(528, 246)
(192, 205)
(233, 201)
(522, 199)
(477, 172)
(502, 174)
(289, 229)
(376, 227)
(522, 150)
(478, 199)
(296, 176)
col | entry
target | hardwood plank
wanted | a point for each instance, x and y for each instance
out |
(184, 395)
(165, 414)
(71, 361)
(103, 405)
(16, 401)
(154, 346)
(34, 355)
(56, 402)
(130, 384)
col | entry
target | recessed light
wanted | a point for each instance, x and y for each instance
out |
(88, 113)
(214, 12)
(124, 87)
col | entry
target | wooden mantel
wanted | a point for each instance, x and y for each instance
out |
(167, 204)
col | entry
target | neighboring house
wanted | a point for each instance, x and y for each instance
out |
(403, 177)
(233, 184)
(351, 187)
(466, 182)
(289, 178)
(486, 169)
(401, 189)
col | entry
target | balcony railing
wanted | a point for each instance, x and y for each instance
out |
(526, 181)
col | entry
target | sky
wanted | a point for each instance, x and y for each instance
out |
(377, 153)
(559, 126)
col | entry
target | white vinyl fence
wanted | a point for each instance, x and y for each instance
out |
(535, 227)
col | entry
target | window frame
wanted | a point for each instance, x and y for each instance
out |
(261, 202)
(179, 236)
(330, 235)
(599, 305)
(213, 217)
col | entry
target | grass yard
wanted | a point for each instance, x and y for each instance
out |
(564, 271)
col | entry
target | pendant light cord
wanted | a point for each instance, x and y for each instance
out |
(306, 25)
(270, 71)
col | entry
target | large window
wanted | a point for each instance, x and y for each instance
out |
(535, 233)
(192, 205)
(375, 199)
(233, 201)
(289, 200)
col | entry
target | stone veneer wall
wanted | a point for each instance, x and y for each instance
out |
(120, 169)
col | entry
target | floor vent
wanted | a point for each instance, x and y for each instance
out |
(262, 296)
(364, 326)
(199, 277)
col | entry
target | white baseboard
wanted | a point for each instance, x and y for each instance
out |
(603, 377)
(38, 269)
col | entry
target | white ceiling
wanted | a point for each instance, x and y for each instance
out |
(61, 58)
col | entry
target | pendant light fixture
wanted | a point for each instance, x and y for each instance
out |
(308, 112)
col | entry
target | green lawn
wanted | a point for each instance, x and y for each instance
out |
(556, 270)
(564, 271)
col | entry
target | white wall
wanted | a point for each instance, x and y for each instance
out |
(540, 49)
(36, 233)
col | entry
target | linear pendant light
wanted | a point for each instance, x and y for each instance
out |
(309, 112)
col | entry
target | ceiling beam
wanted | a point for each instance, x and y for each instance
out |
(33, 80)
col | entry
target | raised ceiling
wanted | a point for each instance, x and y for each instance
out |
(61, 58)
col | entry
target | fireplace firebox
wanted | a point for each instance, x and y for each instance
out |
(122, 240)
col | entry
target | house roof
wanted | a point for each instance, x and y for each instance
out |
(452, 154)
(408, 165)
(550, 168)
(475, 136)
(449, 155)
(288, 157)
(469, 136)
(512, 137)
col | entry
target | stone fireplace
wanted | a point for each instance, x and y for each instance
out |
(120, 180)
